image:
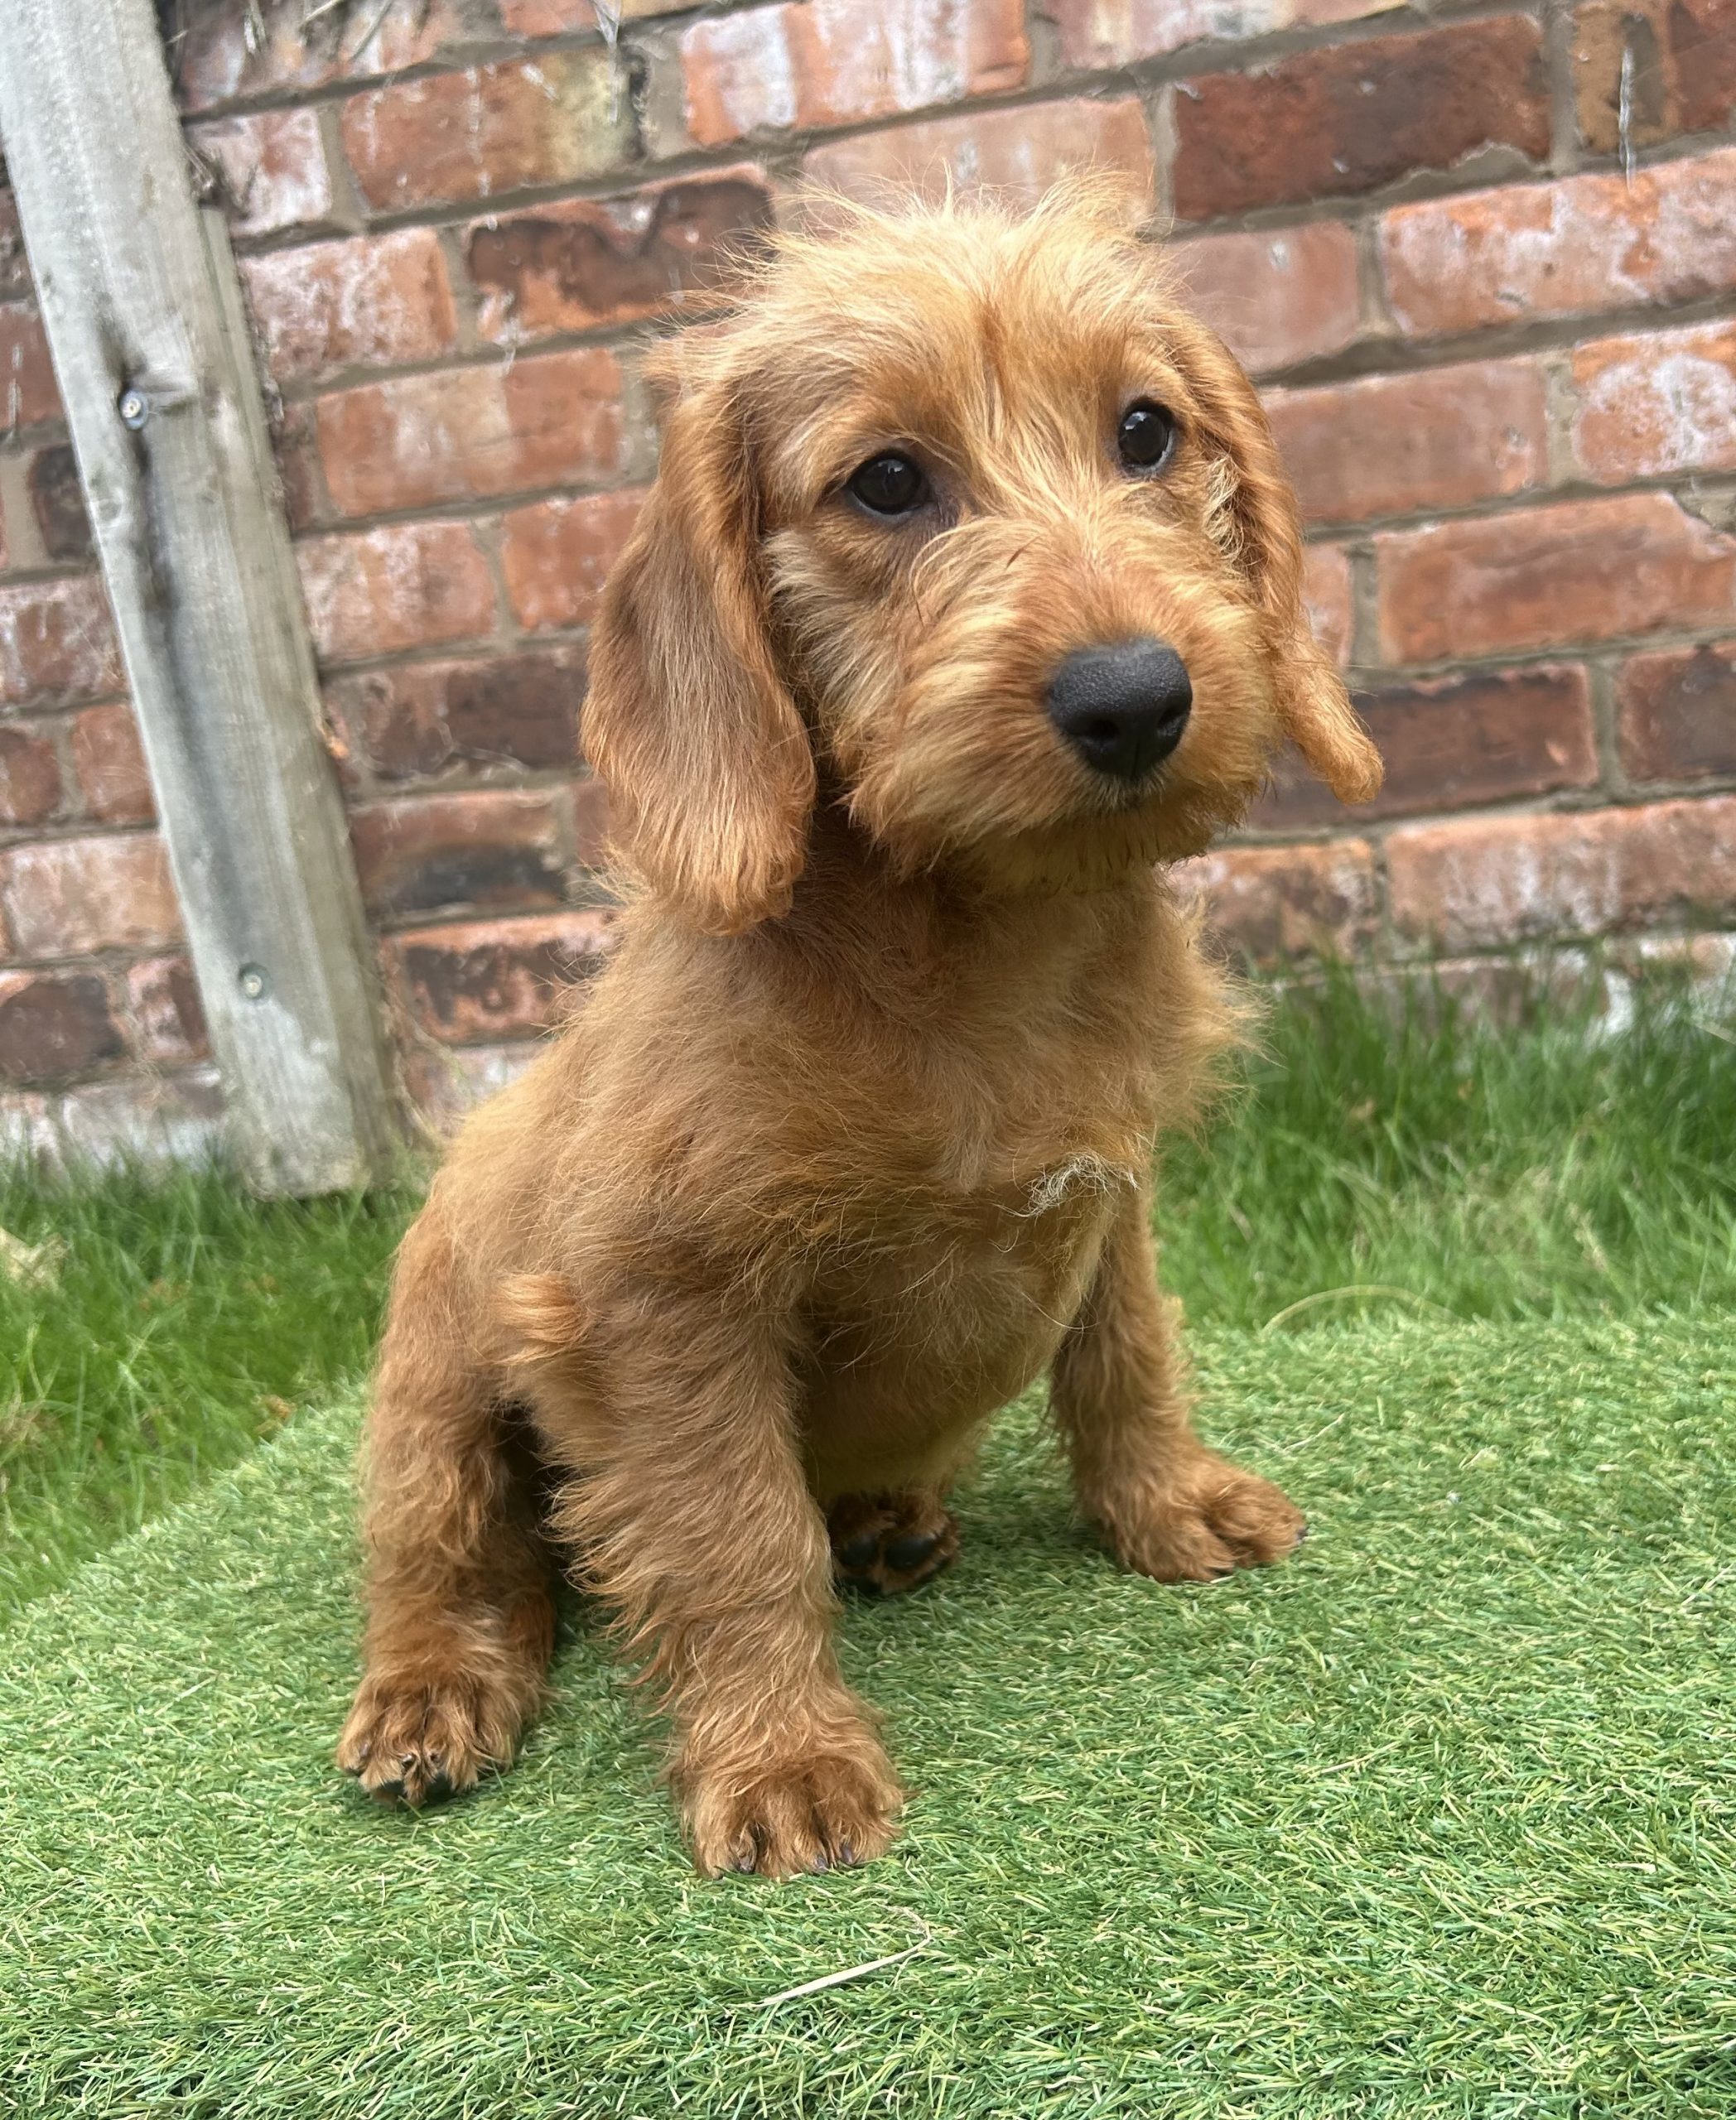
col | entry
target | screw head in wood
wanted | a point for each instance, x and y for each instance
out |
(134, 409)
(254, 983)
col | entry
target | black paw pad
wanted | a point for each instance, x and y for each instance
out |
(909, 1551)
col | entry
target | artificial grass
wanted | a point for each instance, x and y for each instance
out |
(1433, 1819)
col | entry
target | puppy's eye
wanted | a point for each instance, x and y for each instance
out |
(1146, 437)
(888, 485)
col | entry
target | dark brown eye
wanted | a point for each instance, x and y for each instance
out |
(888, 485)
(1146, 437)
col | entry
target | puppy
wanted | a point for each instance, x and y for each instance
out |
(966, 599)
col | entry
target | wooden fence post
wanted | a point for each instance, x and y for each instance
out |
(140, 299)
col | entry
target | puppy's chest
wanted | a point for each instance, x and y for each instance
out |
(988, 1204)
(931, 1309)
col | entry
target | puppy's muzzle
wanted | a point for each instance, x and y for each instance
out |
(1122, 708)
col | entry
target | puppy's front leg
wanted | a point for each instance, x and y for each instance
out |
(699, 1527)
(1172, 1508)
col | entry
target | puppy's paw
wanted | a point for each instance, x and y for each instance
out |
(414, 1743)
(782, 1817)
(884, 1544)
(1208, 1517)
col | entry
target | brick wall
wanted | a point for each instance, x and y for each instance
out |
(1490, 291)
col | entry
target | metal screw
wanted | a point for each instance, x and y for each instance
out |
(254, 982)
(134, 408)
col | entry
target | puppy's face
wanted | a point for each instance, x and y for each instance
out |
(967, 510)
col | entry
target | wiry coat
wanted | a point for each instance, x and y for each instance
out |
(851, 1140)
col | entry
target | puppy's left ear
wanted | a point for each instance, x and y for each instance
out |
(1266, 538)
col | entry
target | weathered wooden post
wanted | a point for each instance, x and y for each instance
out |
(143, 313)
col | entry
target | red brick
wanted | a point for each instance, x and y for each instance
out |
(1494, 736)
(1396, 445)
(272, 166)
(406, 585)
(500, 979)
(1326, 593)
(217, 58)
(589, 262)
(1681, 74)
(512, 710)
(165, 1017)
(498, 850)
(1275, 902)
(1588, 245)
(28, 394)
(1658, 403)
(1278, 295)
(1676, 713)
(68, 898)
(1588, 570)
(55, 1026)
(1484, 884)
(368, 302)
(559, 18)
(57, 643)
(110, 764)
(554, 119)
(1098, 33)
(426, 439)
(1351, 117)
(831, 62)
(1017, 154)
(557, 552)
(14, 272)
(57, 501)
(30, 776)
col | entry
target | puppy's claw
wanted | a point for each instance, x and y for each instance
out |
(418, 1744)
(799, 1817)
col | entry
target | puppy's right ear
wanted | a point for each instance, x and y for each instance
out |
(710, 774)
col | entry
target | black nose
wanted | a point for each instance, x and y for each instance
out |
(1122, 708)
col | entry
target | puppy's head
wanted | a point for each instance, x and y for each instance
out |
(965, 519)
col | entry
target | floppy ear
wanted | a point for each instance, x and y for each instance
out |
(711, 777)
(1265, 530)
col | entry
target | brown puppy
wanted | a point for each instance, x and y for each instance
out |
(967, 596)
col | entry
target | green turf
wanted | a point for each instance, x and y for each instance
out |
(1435, 1819)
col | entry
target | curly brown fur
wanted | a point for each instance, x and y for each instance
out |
(852, 1140)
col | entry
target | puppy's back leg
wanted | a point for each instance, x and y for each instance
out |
(460, 1604)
